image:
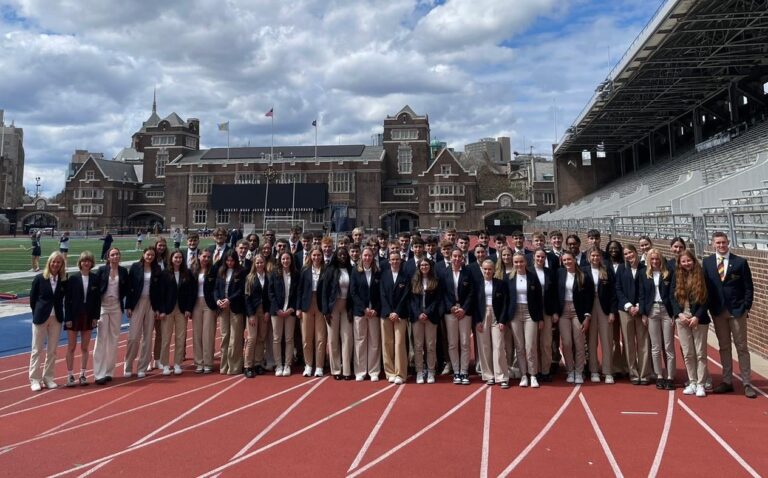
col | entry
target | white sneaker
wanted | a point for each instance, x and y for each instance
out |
(71, 382)
(318, 372)
(447, 370)
(166, 370)
(287, 371)
(374, 378)
(430, 377)
(307, 371)
(609, 379)
(534, 382)
(700, 392)
(594, 378)
(578, 378)
(419, 377)
(278, 371)
(571, 377)
(689, 389)
(359, 378)
(141, 374)
(127, 374)
(50, 384)
(177, 370)
(524, 381)
(35, 386)
(391, 379)
(398, 381)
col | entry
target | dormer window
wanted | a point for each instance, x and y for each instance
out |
(445, 169)
(163, 140)
(90, 175)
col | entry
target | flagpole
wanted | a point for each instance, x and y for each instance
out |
(315, 124)
(227, 142)
(293, 203)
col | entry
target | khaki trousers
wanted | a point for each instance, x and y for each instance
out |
(314, 335)
(694, 345)
(158, 326)
(283, 327)
(525, 331)
(174, 328)
(491, 349)
(600, 327)
(393, 348)
(727, 328)
(545, 345)
(203, 334)
(636, 349)
(458, 332)
(340, 339)
(140, 327)
(619, 360)
(49, 331)
(232, 327)
(424, 337)
(255, 344)
(367, 346)
(661, 329)
(105, 350)
(573, 339)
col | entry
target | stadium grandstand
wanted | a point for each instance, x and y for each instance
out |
(674, 141)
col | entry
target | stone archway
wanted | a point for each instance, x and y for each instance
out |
(399, 220)
(146, 221)
(39, 220)
(504, 221)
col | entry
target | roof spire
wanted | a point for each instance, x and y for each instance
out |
(154, 100)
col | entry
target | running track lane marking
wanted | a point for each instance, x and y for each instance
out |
(719, 440)
(277, 420)
(179, 432)
(294, 434)
(486, 435)
(170, 423)
(115, 415)
(601, 438)
(664, 436)
(414, 437)
(541, 434)
(90, 412)
(375, 430)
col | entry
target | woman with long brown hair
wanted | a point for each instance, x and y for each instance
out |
(425, 314)
(283, 288)
(634, 331)
(257, 313)
(231, 305)
(178, 299)
(143, 280)
(604, 312)
(314, 334)
(204, 313)
(689, 307)
(366, 310)
(113, 283)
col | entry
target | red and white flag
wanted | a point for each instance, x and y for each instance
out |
(270, 112)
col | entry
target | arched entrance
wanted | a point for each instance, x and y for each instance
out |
(39, 220)
(399, 221)
(504, 222)
(146, 221)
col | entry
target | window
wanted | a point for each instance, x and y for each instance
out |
(446, 190)
(162, 160)
(317, 216)
(88, 209)
(446, 224)
(405, 134)
(404, 191)
(120, 194)
(445, 169)
(289, 178)
(89, 193)
(154, 194)
(165, 140)
(404, 159)
(201, 184)
(90, 175)
(222, 217)
(447, 207)
(130, 195)
(246, 217)
(190, 142)
(549, 198)
(199, 216)
(342, 182)
(247, 178)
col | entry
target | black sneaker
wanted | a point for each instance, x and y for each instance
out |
(465, 379)
(660, 384)
(249, 372)
(457, 379)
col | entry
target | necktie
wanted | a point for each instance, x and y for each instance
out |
(217, 255)
(721, 268)
(191, 258)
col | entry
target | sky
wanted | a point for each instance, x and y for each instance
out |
(80, 74)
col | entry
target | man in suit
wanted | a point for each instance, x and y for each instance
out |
(444, 263)
(556, 241)
(242, 255)
(484, 239)
(573, 243)
(404, 239)
(220, 249)
(191, 253)
(518, 243)
(462, 243)
(294, 241)
(593, 237)
(730, 290)
(551, 261)
(253, 245)
(410, 266)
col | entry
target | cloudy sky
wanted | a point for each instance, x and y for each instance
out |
(79, 74)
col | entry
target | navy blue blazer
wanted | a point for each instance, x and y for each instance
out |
(648, 293)
(225, 252)
(259, 296)
(583, 296)
(466, 291)
(534, 296)
(43, 299)
(209, 288)
(553, 262)
(183, 293)
(394, 294)
(123, 285)
(330, 291)
(235, 292)
(136, 284)
(76, 302)
(428, 302)
(499, 302)
(277, 292)
(736, 292)
(549, 290)
(606, 292)
(627, 287)
(304, 299)
(699, 310)
(364, 294)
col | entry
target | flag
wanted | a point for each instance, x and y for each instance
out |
(270, 112)
(224, 126)
(314, 122)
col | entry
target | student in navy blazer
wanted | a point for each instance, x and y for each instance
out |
(257, 315)
(230, 301)
(730, 298)
(46, 299)
(314, 333)
(525, 318)
(395, 291)
(458, 286)
(336, 304)
(575, 298)
(491, 308)
(178, 289)
(113, 282)
(547, 277)
(204, 313)
(656, 310)
(366, 310)
(82, 305)
(283, 292)
(143, 300)
(426, 309)
(635, 332)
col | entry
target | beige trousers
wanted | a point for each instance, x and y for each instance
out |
(393, 348)
(367, 346)
(105, 350)
(203, 334)
(340, 339)
(599, 327)
(573, 339)
(526, 333)
(140, 327)
(694, 345)
(491, 349)
(174, 327)
(49, 332)
(545, 345)
(314, 335)
(636, 346)
(255, 344)
(727, 328)
(661, 329)
(458, 332)
(232, 327)
(619, 359)
(424, 340)
(283, 327)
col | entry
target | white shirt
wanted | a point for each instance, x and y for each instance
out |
(200, 285)
(456, 284)
(315, 278)
(542, 279)
(570, 278)
(656, 279)
(229, 278)
(85, 286)
(176, 276)
(113, 287)
(725, 260)
(53, 280)
(343, 283)
(521, 286)
(287, 282)
(595, 276)
(145, 287)
(489, 292)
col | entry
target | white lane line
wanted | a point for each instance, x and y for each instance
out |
(375, 431)
(415, 436)
(273, 444)
(738, 377)
(639, 413)
(664, 436)
(541, 434)
(170, 423)
(179, 432)
(601, 437)
(90, 412)
(719, 440)
(486, 435)
(109, 417)
(276, 421)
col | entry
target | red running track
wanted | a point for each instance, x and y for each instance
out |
(211, 425)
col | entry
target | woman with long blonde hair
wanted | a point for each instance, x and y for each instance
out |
(314, 334)
(656, 311)
(46, 299)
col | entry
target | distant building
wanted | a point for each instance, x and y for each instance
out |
(79, 157)
(11, 165)
(498, 150)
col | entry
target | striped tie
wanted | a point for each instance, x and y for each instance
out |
(721, 268)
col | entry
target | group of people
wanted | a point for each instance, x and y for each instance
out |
(357, 306)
